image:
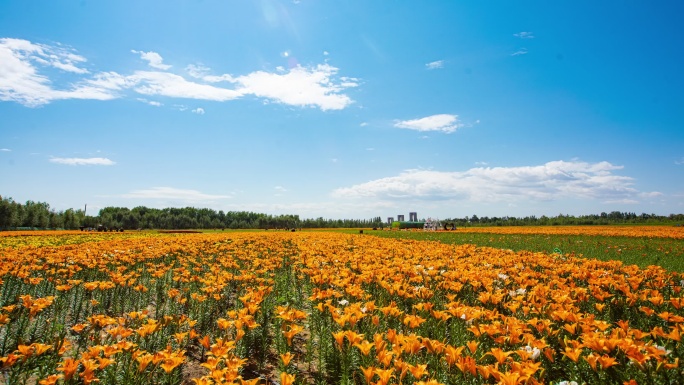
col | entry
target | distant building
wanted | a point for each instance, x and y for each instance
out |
(431, 224)
(390, 220)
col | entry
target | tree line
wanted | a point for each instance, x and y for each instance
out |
(39, 215)
(612, 218)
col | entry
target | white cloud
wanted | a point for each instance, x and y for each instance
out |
(299, 87)
(363, 124)
(171, 85)
(548, 182)
(197, 70)
(23, 79)
(110, 81)
(280, 190)
(83, 161)
(680, 161)
(52, 56)
(652, 194)
(441, 122)
(198, 111)
(347, 82)
(519, 52)
(170, 193)
(622, 202)
(150, 102)
(153, 59)
(326, 53)
(21, 82)
(524, 35)
(221, 78)
(435, 65)
(5, 150)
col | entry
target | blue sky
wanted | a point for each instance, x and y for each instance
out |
(344, 109)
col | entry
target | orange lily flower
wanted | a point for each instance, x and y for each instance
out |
(286, 358)
(364, 346)
(499, 355)
(50, 380)
(286, 379)
(171, 363)
(572, 354)
(68, 367)
(368, 374)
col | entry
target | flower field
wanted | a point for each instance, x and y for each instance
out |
(327, 308)
(633, 245)
(613, 231)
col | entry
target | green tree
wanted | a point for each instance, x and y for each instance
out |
(8, 213)
(69, 219)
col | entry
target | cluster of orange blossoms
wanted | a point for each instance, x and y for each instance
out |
(214, 308)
